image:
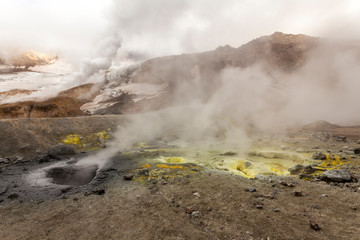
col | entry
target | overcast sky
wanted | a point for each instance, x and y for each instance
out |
(160, 27)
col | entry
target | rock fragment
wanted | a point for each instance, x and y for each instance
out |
(128, 177)
(319, 156)
(62, 150)
(296, 169)
(357, 150)
(13, 196)
(314, 225)
(340, 175)
(195, 214)
(4, 161)
(250, 189)
(196, 194)
(297, 194)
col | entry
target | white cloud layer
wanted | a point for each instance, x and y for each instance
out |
(161, 27)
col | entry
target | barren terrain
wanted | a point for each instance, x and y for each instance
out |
(138, 195)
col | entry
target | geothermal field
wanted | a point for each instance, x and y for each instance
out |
(158, 129)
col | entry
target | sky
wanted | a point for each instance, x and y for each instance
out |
(162, 27)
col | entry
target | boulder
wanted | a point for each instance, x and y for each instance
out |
(340, 175)
(62, 150)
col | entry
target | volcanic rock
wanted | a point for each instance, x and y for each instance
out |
(296, 169)
(13, 196)
(341, 175)
(319, 156)
(297, 194)
(195, 214)
(128, 177)
(314, 225)
(4, 161)
(357, 150)
(250, 189)
(62, 150)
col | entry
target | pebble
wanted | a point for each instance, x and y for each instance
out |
(314, 225)
(250, 189)
(324, 195)
(189, 210)
(4, 160)
(357, 150)
(276, 210)
(297, 194)
(196, 194)
(128, 177)
(195, 214)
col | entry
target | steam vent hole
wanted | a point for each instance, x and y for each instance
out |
(72, 175)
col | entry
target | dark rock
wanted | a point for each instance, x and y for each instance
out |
(228, 154)
(189, 210)
(340, 138)
(47, 158)
(250, 189)
(340, 175)
(308, 170)
(4, 161)
(319, 156)
(296, 169)
(100, 191)
(357, 150)
(62, 150)
(297, 194)
(128, 176)
(269, 196)
(314, 225)
(283, 183)
(13, 196)
(276, 210)
(65, 189)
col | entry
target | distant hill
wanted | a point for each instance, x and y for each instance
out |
(151, 85)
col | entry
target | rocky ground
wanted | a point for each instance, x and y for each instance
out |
(138, 195)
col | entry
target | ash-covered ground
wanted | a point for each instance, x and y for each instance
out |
(158, 191)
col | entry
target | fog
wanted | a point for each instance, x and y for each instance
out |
(160, 27)
(93, 34)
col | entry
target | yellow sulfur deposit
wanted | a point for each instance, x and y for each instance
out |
(169, 166)
(72, 139)
(174, 160)
(147, 166)
(89, 142)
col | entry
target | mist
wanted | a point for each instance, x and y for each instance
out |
(243, 101)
